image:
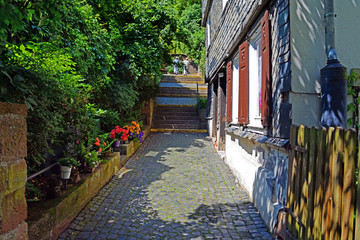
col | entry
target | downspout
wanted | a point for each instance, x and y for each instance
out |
(330, 30)
(333, 78)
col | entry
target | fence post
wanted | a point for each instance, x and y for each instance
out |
(319, 183)
(291, 178)
(311, 182)
(347, 223)
(326, 213)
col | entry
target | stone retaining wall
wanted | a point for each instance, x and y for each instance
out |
(13, 171)
(48, 219)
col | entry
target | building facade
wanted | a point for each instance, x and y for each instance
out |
(263, 62)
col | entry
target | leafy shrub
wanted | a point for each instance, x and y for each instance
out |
(202, 103)
(69, 162)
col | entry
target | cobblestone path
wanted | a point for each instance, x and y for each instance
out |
(174, 187)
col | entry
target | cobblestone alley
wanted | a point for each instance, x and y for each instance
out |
(174, 187)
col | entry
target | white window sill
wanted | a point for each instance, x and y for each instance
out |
(255, 128)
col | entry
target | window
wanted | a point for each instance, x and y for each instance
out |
(255, 79)
(235, 90)
(208, 30)
(224, 4)
(254, 90)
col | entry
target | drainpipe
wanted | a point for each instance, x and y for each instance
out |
(333, 78)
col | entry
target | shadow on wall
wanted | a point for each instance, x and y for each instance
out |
(308, 45)
(269, 194)
(263, 171)
(307, 59)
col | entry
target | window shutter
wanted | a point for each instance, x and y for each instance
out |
(265, 71)
(244, 83)
(229, 92)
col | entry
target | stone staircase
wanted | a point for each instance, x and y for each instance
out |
(176, 104)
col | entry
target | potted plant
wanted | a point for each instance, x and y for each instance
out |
(118, 134)
(135, 133)
(65, 166)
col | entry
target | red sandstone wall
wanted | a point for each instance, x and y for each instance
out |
(13, 173)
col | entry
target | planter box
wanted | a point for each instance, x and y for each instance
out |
(127, 148)
(48, 219)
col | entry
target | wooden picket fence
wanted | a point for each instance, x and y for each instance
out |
(321, 184)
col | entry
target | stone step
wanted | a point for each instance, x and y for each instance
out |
(176, 126)
(184, 85)
(178, 122)
(179, 130)
(176, 101)
(175, 109)
(182, 79)
(181, 93)
(175, 116)
(182, 90)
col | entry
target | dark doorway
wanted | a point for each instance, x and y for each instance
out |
(222, 119)
(215, 109)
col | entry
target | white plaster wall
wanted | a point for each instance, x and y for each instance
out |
(308, 52)
(347, 32)
(307, 45)
(306, 109)
(263, 178)
(307, 59)
(242, 165)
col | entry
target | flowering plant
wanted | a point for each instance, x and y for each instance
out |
(92, 159)
(119, 133)
(135, 132)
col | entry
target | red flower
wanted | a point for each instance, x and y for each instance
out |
(86, 138)
(77, 141)
(100, 149)
(97, 143)
(104, 143)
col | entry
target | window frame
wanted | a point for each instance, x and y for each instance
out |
(255, 77)
(264, 82)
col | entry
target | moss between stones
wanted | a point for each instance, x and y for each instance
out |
(47, 219)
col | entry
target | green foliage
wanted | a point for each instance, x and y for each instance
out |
(202, 103)
(189, 31)
(32, 192)
(69, 162)
(353, 80)
(83, 67)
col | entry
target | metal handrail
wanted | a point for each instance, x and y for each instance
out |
(42, 171)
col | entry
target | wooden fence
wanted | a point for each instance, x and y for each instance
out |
(321, 184)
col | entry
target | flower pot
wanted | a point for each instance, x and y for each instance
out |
(65, 172)
(116, 144)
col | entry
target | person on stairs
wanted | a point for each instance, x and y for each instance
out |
(176, 64)
(186, 63)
